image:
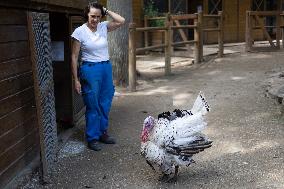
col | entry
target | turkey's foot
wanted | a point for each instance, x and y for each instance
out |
(168, 178)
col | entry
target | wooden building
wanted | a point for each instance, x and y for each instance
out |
(22, 125)
(234, 12)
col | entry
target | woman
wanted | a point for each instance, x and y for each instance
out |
(95, 73)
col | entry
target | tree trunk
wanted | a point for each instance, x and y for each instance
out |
(118, 41)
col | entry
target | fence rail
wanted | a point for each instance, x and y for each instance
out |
(254, 21)
(168, 45)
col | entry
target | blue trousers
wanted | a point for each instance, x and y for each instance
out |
(97, 91)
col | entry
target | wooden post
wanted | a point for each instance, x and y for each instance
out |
(146, 33)
(221, 35)
(170, 6)
(172, 33)
(168, 44)
(248, 32)
(132, 57)
(197, 41)
(282, 31)
(200, 21)
(278, 31)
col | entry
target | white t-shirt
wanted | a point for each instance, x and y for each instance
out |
(94, 45)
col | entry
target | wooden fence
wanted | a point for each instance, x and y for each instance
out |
(197, 26)
(255, 20)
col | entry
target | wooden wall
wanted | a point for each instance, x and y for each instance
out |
(65, 3)
(19, 139)
(234, 22)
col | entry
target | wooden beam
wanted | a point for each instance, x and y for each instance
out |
(184, 17)
(183, 43)
(182, 34)
(278, 31)
(179, 27)
(168, 47)
(150, 29)
(221, 35)
(266, 34)
(138, 50)
(132, 58)
(146, 33)
(248, 35)
(265, 13)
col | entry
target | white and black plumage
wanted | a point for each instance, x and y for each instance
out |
(171, 140)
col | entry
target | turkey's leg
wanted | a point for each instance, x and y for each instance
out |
(174, 179)
(150, 165)
(170, 178)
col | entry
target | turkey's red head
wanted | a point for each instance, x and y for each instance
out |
(148, 125)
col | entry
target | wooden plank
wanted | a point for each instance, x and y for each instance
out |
(10, 138)
(211, 15)
(265, 13)
(151, 28)
(182, 34)
(183, 43)
(14, 67)
(10, 157)
(65, 3)
(13, 16)
(211, 30)
(264, 30)
(259, 27)
(13, 50)
(156, 18)
(15, 84)
(150, 48)
(15, 101)
(184, 27)
(15, 168)
(10, 33)
(184, 17)
(65, 6)
(17, 117)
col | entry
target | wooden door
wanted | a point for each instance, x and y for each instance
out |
(78, 106)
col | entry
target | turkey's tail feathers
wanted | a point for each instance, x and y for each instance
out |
(200, 104)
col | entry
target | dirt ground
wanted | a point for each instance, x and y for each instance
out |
(246, 126)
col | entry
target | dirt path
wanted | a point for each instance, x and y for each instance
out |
(244, 124)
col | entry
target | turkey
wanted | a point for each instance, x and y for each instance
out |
(171, 140)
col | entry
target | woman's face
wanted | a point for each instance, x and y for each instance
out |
(94, 17)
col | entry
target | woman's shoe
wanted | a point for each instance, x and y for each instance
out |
(94, 145)
(105, 138)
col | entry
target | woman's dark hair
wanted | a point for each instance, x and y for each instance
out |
(93, 5)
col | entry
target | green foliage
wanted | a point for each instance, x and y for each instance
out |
(151, 11)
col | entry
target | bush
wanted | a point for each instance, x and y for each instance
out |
(151, 11)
